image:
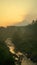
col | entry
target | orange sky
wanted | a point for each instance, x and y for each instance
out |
(14, 11)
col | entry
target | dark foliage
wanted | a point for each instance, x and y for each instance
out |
(6, 58)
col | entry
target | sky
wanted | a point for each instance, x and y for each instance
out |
(14, 11)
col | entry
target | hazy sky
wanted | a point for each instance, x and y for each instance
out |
(14, 11)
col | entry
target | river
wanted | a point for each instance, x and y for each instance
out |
(25, 60)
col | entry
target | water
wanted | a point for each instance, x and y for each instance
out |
(25, 60)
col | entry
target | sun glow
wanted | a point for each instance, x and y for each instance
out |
(14, 11)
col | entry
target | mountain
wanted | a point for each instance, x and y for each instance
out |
(23, 37)
(22, 23)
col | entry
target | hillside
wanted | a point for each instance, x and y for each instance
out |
(24, 38)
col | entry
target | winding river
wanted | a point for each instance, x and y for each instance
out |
(25, 60)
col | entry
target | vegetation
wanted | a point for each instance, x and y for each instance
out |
(5, 56)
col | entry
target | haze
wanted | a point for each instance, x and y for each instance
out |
(14, 11)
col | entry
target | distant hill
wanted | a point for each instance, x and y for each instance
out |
(25, 33)
(23, 23)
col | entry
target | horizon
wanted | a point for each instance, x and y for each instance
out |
(15, 11)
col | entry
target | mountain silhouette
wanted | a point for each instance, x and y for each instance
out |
(22, 23)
